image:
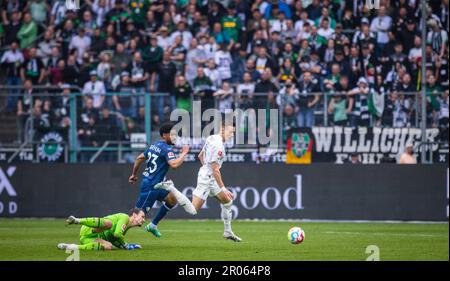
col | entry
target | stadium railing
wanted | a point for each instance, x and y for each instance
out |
(124, 147)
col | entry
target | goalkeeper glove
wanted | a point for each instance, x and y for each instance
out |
(127, 246)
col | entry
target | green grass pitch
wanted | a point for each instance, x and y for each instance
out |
(36, 239)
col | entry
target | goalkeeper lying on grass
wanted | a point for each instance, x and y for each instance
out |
(104, 233)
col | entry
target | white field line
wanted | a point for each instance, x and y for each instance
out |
(385, 234)
(273, 220)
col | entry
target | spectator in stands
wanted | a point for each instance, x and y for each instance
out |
(183, 93)
(153, 54)
(56, 74)
(53, 59)
(87, 135)
(325, 30)
(361, 116)
(88, 111)
(11, 26)
(245, 92)
(39, 10)
(203, 89)
(165, 75)
(80, 42)
(61, 106)
(288, 95)
(339, 108)
(120, 59)
(307, 100)
(72, 73)
(327, 52)
(139, 76)
(398, 56)
(126, 102)
(104, 68)
(432, 92)
(443, 116)
(381, 25)
(33, 68)
(223, 61)
(11, 61)
(408, 157)
(250, 68)
(48, 115)
(231, 24)
(224, 98)
(44, 51)
(37, 122)
(178, 52)
(287, 72)
(332, 79)
(265, 86)
(195, 57)
(263, 61)
(25, 104)
(401, 110)
(239, 64)
(437, 37)
(28, 31)
(107, 129)
(96, 89)
(289, 120)
(416, 52)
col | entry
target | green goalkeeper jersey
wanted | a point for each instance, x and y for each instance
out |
(119, 227)
(115, 234)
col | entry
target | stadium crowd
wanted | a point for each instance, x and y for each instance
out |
(365, 65)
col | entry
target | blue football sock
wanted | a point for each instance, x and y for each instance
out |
(161, 213)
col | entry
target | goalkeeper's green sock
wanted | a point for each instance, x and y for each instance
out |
(94, 246)
(93, 222)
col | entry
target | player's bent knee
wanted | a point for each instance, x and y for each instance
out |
(198, 203)
(108, 224)
(107, 246)
(228, 204)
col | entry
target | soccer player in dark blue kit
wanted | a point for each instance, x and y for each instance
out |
(159, 157)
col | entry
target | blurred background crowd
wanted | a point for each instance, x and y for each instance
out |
(321, 63)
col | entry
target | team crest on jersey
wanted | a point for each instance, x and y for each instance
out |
(171, 154)
(124, 227)
(220, 153)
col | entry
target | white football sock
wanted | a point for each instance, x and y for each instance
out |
(227, 216)
(183, 200)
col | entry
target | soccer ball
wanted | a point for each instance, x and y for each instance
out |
(296, 235)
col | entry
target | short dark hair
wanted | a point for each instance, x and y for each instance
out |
(166, 128)
(134, 211)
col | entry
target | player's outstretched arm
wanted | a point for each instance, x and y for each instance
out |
(175, 163)
(137, 164)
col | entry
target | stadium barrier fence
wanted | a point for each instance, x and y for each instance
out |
(104, 150)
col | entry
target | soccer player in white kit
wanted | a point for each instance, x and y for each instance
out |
(209, 180)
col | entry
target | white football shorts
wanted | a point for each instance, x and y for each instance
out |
(206, 186)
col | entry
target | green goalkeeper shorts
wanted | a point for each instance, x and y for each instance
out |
(87, 236)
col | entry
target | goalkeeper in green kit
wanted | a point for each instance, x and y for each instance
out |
(107, 232)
